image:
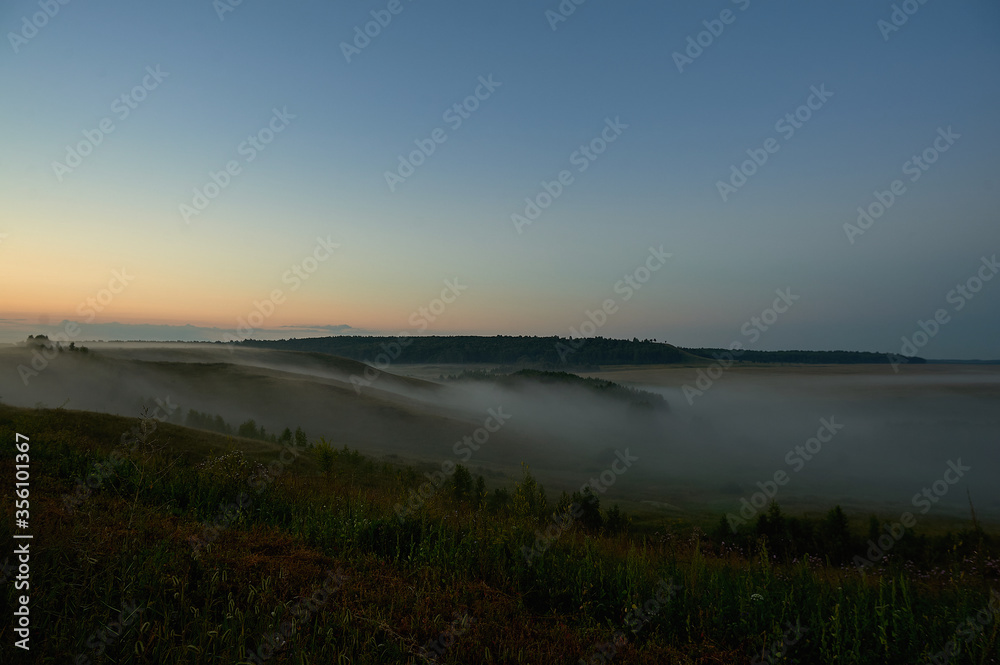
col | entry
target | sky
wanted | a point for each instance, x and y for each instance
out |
(212, 170)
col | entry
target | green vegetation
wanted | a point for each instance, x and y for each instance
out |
(189, 546)
(43, 341)
(248, 429)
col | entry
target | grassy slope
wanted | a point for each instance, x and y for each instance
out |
(128, 542)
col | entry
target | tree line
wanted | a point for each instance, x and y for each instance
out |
(544, 352)
(248, 429)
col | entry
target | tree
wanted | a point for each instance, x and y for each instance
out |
(590, 509)
(529, 497)
(461, 482)
(499, 500)
(874, 528)
(616, 521)
(326, 455)
(480, 494)
(301, 440)
(836, 534)
(248, 429)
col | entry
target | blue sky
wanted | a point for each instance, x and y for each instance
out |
(323, 176)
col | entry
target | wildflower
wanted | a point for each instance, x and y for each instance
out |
(755, 597)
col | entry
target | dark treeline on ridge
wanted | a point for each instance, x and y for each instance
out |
(810, 357)
(546, 352)
(500, 349)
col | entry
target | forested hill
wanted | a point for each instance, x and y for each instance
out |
(545, 351)
(810, 357)
(499, 350)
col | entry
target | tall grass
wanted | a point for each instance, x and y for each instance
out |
(117, 581)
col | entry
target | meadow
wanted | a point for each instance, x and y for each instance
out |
(157, 543)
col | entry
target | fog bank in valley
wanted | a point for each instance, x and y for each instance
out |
(861, 438)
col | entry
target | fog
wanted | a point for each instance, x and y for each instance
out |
(892, 436)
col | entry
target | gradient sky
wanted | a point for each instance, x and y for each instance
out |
(324, 174)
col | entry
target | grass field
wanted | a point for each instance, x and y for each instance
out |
(192, 547)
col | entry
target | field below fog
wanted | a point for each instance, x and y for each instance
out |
(895, 434)
(887, 435)
(899, 432)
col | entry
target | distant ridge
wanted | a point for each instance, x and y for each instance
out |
(545, 352)
(809, 357)
(938, 361)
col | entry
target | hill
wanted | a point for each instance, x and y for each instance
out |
(541, 352)
(154, 543)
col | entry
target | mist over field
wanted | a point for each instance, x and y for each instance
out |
(500, 333)
(888, 435)
(898, 434)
